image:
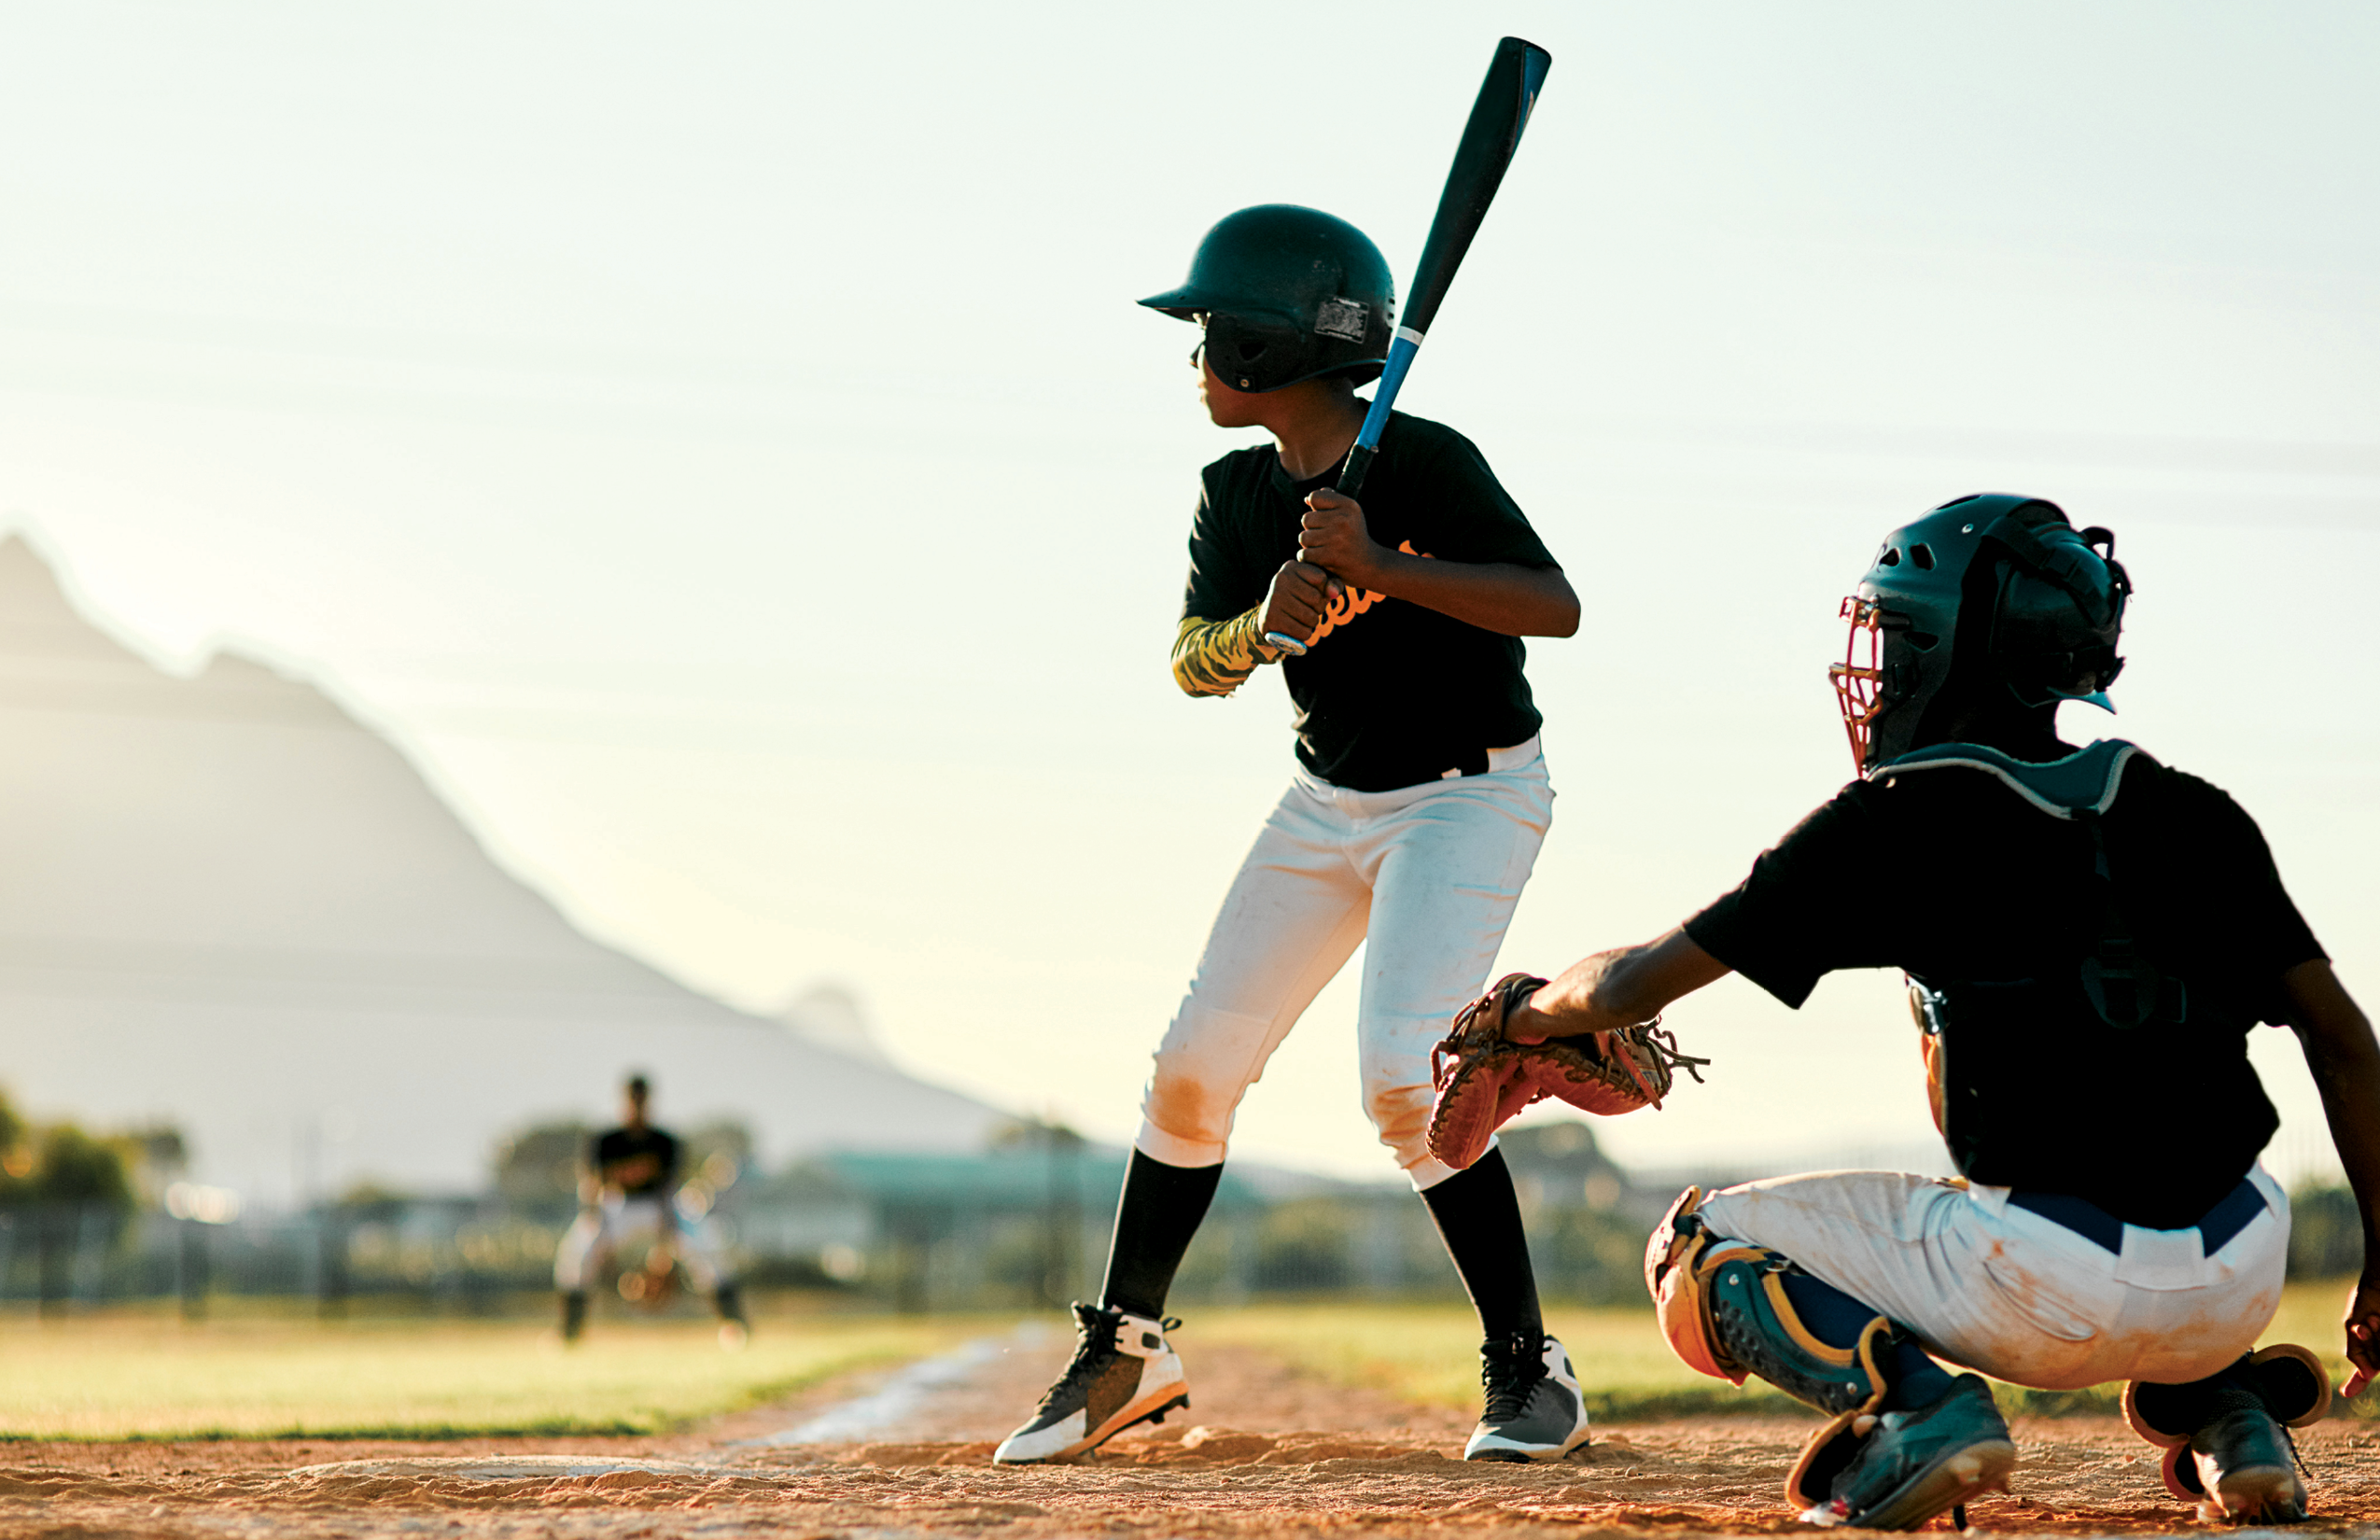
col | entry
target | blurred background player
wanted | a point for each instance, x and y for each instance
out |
(1415, 816)
(2089, 937)
(627, 1198)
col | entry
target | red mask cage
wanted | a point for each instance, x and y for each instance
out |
(1859, 679)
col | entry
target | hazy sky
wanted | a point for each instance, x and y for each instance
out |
(720, 445)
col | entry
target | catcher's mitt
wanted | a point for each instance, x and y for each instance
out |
(1483, 1078)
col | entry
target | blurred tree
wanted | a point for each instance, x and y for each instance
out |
(368, 1202)
(1304, 1244)
(75, 1168)
(718, 1151)
(12, 1137)
(2326, 1232)
(155, 1157)
(540, 1166)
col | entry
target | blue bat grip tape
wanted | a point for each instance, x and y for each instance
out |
(1400, 358)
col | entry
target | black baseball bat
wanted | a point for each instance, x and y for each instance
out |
(1514, 76)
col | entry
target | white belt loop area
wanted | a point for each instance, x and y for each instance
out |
(1514, 758)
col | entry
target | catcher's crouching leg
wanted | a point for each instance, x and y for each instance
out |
(1725, 1310)
(2225, 1438)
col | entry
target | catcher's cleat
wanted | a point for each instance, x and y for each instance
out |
(1534, 1410)
(1897, 1471)
(1124, 1372)
(2226, 1437)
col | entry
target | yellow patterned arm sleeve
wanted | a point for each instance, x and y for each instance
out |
(1212, 657)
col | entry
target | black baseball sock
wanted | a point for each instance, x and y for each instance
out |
(1156, 1218)
(1479, 1217)
(1913, 1380)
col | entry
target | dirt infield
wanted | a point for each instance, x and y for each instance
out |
(1264, 1452)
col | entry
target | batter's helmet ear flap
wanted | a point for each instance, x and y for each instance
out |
(1287, 294)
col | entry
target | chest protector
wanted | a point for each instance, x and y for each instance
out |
(2091, 1035)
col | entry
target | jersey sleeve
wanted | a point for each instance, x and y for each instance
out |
(1808, 907)
(1222, 581)
(1462, 512)
(2268, 935)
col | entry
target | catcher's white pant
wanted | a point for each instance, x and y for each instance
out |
(2017, 1297)
(1431, 872)
(618, 1221)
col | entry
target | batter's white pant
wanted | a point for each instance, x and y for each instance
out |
(617, 1221)
(2019, 1297)
(1430, 871)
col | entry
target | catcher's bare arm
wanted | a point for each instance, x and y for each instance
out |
(2345, 1063)
(1615, 989)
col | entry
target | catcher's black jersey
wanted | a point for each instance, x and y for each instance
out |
(1391, 694)
(1953, 877)
(621, 1144)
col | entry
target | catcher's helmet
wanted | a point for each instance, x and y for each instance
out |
(1993, 589)
(1286, 294)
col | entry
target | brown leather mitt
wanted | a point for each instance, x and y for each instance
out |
(1484, 1079)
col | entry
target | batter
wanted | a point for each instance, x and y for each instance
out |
(1414, 816)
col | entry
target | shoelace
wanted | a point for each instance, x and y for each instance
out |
(1094, 1350)
(1662, 1043)
(1508, 1371)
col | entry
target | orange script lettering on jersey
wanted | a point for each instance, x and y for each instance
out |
(1353, 602)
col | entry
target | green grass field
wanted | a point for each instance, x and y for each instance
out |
(145, 1377)
(1429, 1352)
(103, 1377)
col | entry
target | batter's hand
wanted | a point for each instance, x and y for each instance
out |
(1300, 593)
(2363, 1333)
(1334, 536)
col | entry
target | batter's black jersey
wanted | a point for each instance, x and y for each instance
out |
(1954, 877)
(618, 1144)
(1391, 694)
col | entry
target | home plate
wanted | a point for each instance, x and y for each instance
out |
(503, 1467)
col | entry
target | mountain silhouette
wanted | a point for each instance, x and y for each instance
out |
(226, 903)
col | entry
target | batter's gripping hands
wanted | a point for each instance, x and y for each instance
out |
(1484, 1078)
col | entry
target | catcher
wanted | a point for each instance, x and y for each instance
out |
(2089, 936)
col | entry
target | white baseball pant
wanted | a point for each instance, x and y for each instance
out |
(618, 1221)
(1430, 873)
(2016, 1296)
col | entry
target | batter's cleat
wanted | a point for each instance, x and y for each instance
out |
(1124, 1372)
(1898, 1470)
(1534, 1410)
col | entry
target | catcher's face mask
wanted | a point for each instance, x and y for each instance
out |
(2025, 601)
(1859, 679)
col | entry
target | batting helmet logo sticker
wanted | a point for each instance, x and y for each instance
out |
(1341, 319)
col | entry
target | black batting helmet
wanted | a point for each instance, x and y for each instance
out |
(1287, 294)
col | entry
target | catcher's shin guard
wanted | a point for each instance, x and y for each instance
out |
(1722, 1305)
(2226, 1439)
(1124, 1372)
